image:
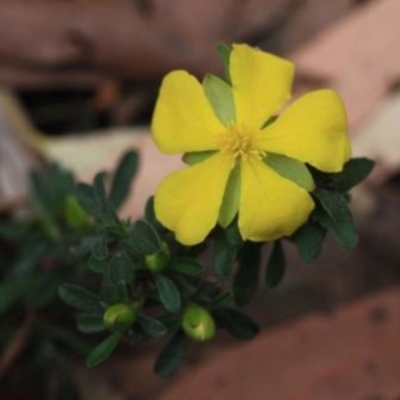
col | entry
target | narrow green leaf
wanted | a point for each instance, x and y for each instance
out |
(236, 323)
(219, 94)
(335, 216)
(186, 265)
(99, 188)
(90, 323)
(152, 326)
(172, 355)
(225, 53)
(309, 240)
(104, 350)
(354, 172)
(168, 292)
(233, 235)
(276, 266)
(247, 277)
(79, 298)
(197, 156)
(85, 195)
(144, 239)
(123, 178)
(291, 169)
(231, 200)
(224, 255)
(120, 269)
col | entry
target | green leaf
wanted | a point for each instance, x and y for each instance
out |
(188, 266)
(219, 94)
(233, 234)
(291, 169)
(152, 326)
(172, 355)
(247, 277)
(123, 178)
(96, 266)
(85, 195)
(231, 200)
(354, 172)
(225, 53)
(276, 266)
(224, 255)
(236, 323)
(168, 292)
(197, 156)
(144, 239)
(100, 248)
(90, 323)
(80, 298)
(120, 269)
(104, 350)
(309, 240)
(94, 200)
(223, 299)
(335, 216)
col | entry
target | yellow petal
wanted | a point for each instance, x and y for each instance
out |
(188, 201)
(183, 119)
(312, 130)
(271, 206)
(261, 83)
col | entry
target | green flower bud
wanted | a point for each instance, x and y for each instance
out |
(75, 216)
(158, 262)
(198, 323)
(119, 317)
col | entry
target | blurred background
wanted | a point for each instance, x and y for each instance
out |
(78, 82)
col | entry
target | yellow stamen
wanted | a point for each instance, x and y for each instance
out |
(239, 143)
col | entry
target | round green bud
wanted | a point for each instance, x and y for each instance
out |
(198, 324)
(75, 216)
(158, 262)
(119, 317)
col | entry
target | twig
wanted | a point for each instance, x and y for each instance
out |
(17, 343)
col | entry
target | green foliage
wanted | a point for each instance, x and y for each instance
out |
(276, 266)
(309, 240)
(121, 269)
(247, 277)
(186, 265)
(123, 178)
(143, 239)
(76, 258)
(172, 355)
(355, 171)
(236, 323)
(168, 293)
(80, 298)
(152, 326)
(225, 254)
(104, 350)
(334, 215)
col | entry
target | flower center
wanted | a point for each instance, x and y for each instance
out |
(239, 143)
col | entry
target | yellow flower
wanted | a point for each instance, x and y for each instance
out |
(231, 123)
